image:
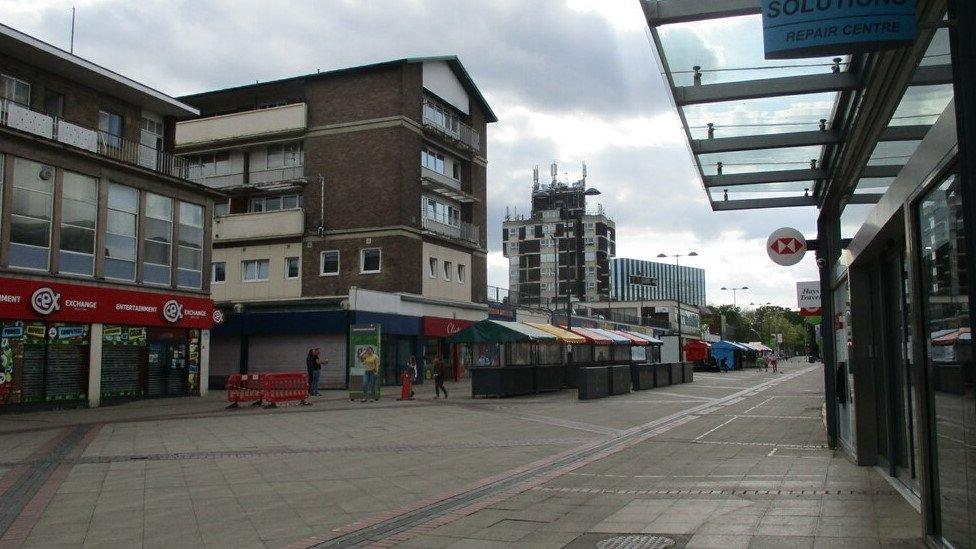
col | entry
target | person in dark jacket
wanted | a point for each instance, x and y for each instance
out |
(440, 372)
(313, 363)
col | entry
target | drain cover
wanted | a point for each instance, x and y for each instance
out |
(635, 542)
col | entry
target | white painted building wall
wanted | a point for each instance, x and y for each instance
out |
(440, 80)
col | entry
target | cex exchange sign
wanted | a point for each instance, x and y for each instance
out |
(786, 246)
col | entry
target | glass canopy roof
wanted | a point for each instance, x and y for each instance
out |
(759, 130)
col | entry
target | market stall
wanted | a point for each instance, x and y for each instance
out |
(653, 348)
(600, 347)
(621, 345)
(565, 371)
(698, 353)
(507, 355)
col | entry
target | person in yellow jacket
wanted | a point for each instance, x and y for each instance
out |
(371, 363)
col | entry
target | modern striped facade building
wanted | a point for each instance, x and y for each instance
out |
(679, 283)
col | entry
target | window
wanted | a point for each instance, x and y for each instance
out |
(293, 267)
(110, 129)
(369, 261)
(218, 272)
(448, 270)
(120, 232)
(54, 103)
(157, 245)
(15, 90)
(442, 213)
(79, 212)
(432, 267)
(254, 270)
(209, 164)
(189, 273)
(460, 273)
(273, 203)
(221, 209)
(149, 125)
(432, 160)
(285, 154)
(330, 263)
(30, 219)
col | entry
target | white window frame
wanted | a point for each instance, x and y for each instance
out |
(460, 273)
(244, 263)
(362, 261)
(297, 276)
(322, 263)
(3, 81)
(213, 272)
(448, 270)
(432, 267)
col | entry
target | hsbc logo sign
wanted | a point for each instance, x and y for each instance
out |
(786, 246)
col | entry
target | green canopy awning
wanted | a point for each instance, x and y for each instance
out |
(497, 331)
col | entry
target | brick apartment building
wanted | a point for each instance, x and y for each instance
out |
(103, 240)
(356, 195)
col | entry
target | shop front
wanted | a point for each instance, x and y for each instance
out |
(75, 344)
(436, 330)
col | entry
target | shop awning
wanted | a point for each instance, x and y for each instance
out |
(961, 335)
(633, 339)
(592, 337)
(616, 338)
(756, 345)
(650, 339)
(499, 331)
(698, 343)
(564, 336)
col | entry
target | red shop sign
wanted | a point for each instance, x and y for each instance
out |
(444, 327)
(58, 302)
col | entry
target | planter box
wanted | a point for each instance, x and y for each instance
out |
(619, 377)
(571, 374)
(593, 382)
(662, 375)
(502, 382)
(643, 378)
(548, 378)
(689, 372)
(676, 373)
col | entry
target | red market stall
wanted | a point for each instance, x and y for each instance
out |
(697, 351)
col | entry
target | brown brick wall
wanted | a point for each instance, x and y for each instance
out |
(81, 103)
(479, 278)
(401, 265)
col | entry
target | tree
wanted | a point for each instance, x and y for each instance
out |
(763, 324)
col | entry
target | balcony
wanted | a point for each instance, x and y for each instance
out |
(447, 125)
(259, 225)
(458, 230)
(259, 123)
(444, 185)
(263, 178)
(19, 117)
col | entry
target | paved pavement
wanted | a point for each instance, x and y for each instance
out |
(731, 460)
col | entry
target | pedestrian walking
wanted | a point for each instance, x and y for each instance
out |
(412, 366)
(371, 364)
(313, 363)
(761, 363)
(440, 372)
(406, 385)
(775, 363)
(724, 366)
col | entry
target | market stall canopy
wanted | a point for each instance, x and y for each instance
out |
(759, 347)
(499, 331)
(742, 346)
(650, 339)
(633, 338)
(615, 338)
(698, 343)
(961, 335)
(591, 336)
(565, 336)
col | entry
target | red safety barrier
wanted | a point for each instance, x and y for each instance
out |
(244, 388)
(285, 386)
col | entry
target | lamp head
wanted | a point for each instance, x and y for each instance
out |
(591, 192)
(693, 254)
(662, 255)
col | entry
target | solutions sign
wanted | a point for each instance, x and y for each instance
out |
(813, 28)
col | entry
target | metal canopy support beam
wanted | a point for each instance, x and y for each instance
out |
(755, 178)
(906, 133)
(768, 87)
(930, 75)
(666, 12)
(760, 203)
(865, 198)
(767, 141)
(891, 170)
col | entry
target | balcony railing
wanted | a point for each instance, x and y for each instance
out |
(259, 225)
(440, 178)
(459, 230)
(19, 117)
(257, 178)
(447, 124)
(241, 125)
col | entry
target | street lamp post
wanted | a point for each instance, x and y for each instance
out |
(734, 304)
(677, 264)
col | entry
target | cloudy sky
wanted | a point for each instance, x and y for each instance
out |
(570, 80)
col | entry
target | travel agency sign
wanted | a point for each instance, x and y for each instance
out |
(813, 28)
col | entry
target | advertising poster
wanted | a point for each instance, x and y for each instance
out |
(363, 340)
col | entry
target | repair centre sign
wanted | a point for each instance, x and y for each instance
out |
(814, 28)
